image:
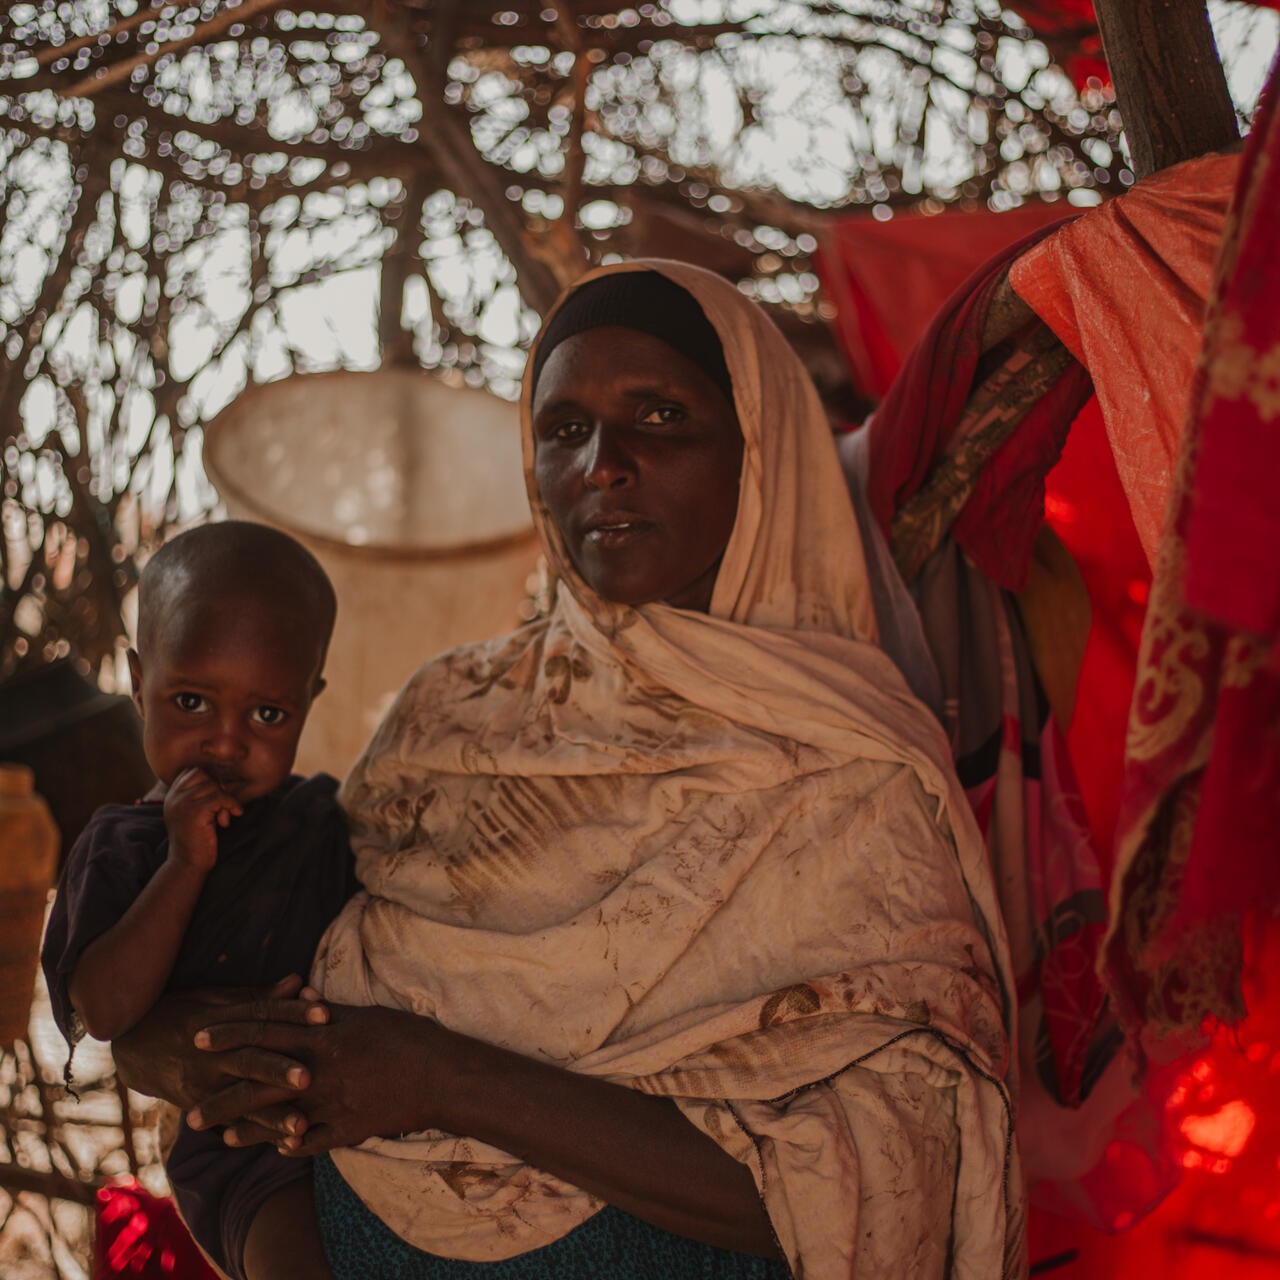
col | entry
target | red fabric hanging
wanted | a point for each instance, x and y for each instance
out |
(1230, 524)
(1225, 1216)
(888, 279)
(999, 522)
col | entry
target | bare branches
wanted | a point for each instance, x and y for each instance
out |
(122, 71)
(255, 151)
(450, 145)
(54, 52)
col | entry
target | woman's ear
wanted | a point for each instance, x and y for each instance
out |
(135, 678)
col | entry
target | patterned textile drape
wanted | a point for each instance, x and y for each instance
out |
(957, 456)
(1200, 821)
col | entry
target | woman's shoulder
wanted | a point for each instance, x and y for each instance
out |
(468, 670)
(452, 690)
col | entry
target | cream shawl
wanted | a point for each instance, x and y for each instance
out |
(718, 857)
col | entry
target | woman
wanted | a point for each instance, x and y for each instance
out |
(673, 903)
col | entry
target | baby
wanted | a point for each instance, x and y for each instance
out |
(228, 873)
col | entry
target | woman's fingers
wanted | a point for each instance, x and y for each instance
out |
(278, 1124)
(318, 1138)
(244, 1098)
(268, 1009)
(253, 1033)
(248, 1134)
(257, 1021)
(158, 1056)
(347, 1066)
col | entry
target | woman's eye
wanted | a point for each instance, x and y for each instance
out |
(270, 715)
(568, 432)
(665, 415)
(190, 702)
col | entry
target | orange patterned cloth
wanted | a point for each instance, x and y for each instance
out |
(1125, 289)
(1200, 824)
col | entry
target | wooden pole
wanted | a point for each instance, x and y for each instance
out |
(53, 1186)
(1170, 85)
(560, 248)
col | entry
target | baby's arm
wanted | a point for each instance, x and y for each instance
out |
(122, 973)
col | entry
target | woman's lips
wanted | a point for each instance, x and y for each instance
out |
(616, 533)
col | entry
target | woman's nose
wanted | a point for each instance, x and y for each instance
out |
(608, 464)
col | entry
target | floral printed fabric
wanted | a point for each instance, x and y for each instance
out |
(723, 858)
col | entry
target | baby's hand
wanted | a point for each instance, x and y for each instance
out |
(194, 808)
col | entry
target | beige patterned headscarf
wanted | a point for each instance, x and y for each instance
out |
(720, 857)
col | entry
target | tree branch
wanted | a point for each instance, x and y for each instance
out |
(119, 71)
(447, 139)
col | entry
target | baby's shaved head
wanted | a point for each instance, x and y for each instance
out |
(252, 564)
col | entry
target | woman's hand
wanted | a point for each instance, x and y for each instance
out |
(384, 1072)
(159, 1057)
(366, 1078)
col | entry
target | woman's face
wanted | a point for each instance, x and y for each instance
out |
(637, 454)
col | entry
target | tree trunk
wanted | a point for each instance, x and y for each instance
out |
(1170, 86)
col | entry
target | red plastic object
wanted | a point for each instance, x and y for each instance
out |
(141, 1236)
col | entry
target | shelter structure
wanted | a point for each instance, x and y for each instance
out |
(200, 197)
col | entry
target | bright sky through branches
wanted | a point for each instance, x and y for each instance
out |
(804, 140)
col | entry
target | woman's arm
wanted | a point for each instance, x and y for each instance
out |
(380, 1071)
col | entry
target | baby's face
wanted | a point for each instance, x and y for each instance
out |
(226, 688)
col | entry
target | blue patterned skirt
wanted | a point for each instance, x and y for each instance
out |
(612, 1245)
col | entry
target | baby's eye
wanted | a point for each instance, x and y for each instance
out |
(270, 715)
(190, 702)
